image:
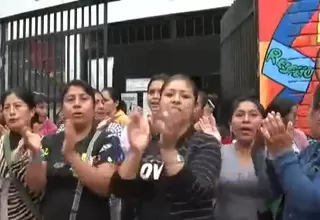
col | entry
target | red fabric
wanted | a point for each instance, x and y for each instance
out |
(226, 140)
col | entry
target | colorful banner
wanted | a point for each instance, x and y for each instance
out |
(289, 40)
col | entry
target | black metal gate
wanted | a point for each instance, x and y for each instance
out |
(44, 49)
(239, 49)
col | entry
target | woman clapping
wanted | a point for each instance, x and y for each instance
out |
(172, 175)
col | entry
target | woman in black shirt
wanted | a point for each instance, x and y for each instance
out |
(76, 184)
(173, 175)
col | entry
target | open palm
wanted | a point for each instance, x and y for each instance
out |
(278, 136)
(70, 137)
(138, 131)
(208, 125)
(32, 140)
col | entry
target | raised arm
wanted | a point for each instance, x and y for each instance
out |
(300, 185)
(124, 182)
(36, 172)
(297, 185)
(198, 177)
(96, 175)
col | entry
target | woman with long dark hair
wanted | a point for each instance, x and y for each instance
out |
(244, 188)
(171, 170)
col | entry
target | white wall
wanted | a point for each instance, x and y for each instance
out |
(121, 10)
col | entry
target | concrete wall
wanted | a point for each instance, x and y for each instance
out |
(289, 41)
(191, 56)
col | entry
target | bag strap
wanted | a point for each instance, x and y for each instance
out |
(79, 189)
(26, 198)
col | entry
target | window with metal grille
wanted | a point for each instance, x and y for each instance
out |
(201, 23)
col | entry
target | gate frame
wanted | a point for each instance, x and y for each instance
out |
(6, 44)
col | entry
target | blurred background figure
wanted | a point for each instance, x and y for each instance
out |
(288, 111)
(114, 107)
(44, 126)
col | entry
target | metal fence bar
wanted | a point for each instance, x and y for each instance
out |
(29, 54)
(36, 49)
(75, 44)
(54, 74)
(23, 52)
(97, 49)
(105, 45)
(62, 45)
(10, 54)
(68, 47)
(42, 46)
(17, 52)
(89, 44)
(47, 77)
(3, 58)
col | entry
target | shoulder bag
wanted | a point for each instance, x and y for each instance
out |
(79, 189)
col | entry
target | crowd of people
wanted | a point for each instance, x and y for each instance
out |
(100, 162)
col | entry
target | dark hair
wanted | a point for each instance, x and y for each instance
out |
(204, 98)
(184, 78)
(224, 131)
(40, 98)
(123, 106)
(79, 83)
(213, 98)
(281, 105)
(26, 96)
(158, 77)
(238, 101)
(97, 92)
(116, 97)
(316, 98)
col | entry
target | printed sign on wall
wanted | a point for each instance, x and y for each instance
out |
(131, 100)
(288, 48)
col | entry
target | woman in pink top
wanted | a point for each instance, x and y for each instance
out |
(45, 125)
(288, 111)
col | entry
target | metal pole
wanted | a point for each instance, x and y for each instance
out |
(105, 43)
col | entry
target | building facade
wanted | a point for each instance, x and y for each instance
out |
(46, 43)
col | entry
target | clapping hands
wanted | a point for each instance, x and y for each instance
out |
(3, 130)
(70, 138)
(138, 131)
(169, 124)
(31, 140)
(277, 135)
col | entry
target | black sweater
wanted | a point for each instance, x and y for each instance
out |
(187, 195)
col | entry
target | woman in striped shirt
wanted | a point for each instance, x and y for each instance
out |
(173, 175)
(17, 201)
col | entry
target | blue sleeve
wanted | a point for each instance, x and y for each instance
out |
(110, 152)
(115, 129)
(304, 193)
